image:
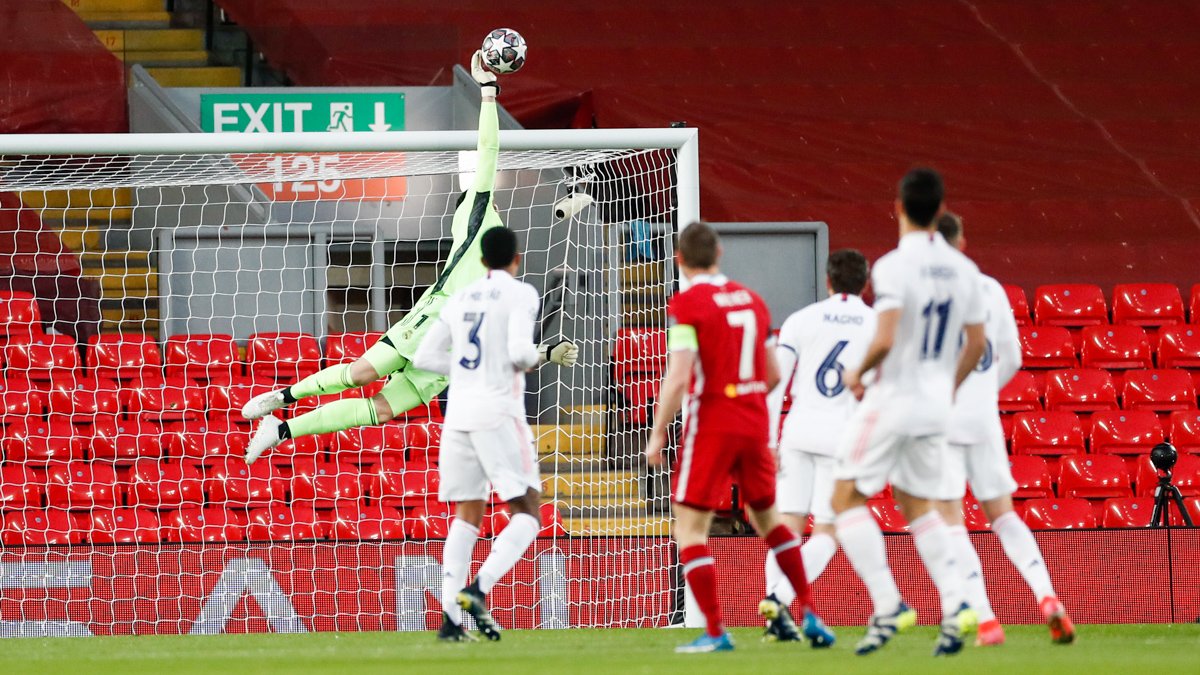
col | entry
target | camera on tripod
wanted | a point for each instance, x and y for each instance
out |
(1163, 456)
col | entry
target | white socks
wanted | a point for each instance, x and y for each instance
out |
(816, 552)
(456, 560)
(862, 541)
(932, 541)
(972, 570)
(1022, 550)
(507, 549)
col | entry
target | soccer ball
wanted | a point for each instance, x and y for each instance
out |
(504, 51)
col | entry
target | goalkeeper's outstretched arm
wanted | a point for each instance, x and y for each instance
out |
(489, 126)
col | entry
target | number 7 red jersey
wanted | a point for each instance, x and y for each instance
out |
(732, 325)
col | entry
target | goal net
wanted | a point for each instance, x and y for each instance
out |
(152, 284)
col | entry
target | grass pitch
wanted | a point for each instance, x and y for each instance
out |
(1100, 649)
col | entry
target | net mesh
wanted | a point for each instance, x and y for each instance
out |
(145, 298)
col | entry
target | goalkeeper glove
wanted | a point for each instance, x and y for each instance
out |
(563, 352)
(486, 78)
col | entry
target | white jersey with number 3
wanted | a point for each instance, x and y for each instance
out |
(815, 346)
(484, 341)
(975, 405)
(937, 290)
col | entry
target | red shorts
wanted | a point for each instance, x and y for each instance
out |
(709, 462)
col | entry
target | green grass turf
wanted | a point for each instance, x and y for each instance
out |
(1100, 649)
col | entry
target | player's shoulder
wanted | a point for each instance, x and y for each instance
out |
(964, 263)
(990, 285)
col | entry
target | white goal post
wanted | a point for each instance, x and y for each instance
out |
(275, 252)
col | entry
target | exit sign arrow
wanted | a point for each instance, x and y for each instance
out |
(380, 123)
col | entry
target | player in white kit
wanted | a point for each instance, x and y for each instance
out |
(483, 340)
(975, 452)
(926, 294)
(815, 344)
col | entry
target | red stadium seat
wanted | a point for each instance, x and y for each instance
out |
(230, 482)
(1018, 303)
(36, 527)
(283, 523)
(424, 441)
(1127, 512)
(1125, 432)
(225, 401)
(159, 485)
(1046, 347)
(38, 441)
(1183, 430)
(1158, 390)
(405, 486)
(1032, 477)
(206, 358)
(887, 512)
(326, 485)
(1093, 476)
(213, 524)
(370, 445)
(1185, 476)
(119, 439)
(19, 315)
(974, 518)
(347, 347)
(81, 485)
(494, 522)
(365, 523)
(1047, 433)
(1020, 394)
(19, 488)
(1115, 348)
(1192, 504)
(172, 399)
(1080, 390)
(1070, 305)
(123, 356)
(16, 406)
(1179, 347)
(1150, 305)
(1194, 304)
(552, 521)
(209, 442)
(83, 400)
(119, 526)
(43, 357)
(432, 522)
(1059, 514)
(283, 356)
(639, 352)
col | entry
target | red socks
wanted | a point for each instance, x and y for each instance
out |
(700, 570)
(786, 546)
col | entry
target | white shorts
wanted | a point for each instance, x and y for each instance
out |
(804, 484)
(872, 455)
(472, 463)
(984, 464)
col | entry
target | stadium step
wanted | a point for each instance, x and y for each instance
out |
(591, 415)
(183, 39)
(637, 527)
(174, 58)
(117, 6)
(644, 315)
(204, 76)
(125, 20)
(642, 274)
(78, 199)
(568, 439)
(594, 483)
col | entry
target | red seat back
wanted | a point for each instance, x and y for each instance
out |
(1115, 347)
(208, 358)
(213, 524)
(119, 526)
(326, 485)
(38, 441)
(1071, 305)
(347, 347)
(1018, 303)
(1045, 347)
(83, 400)
(19, 488)
(1080, 390)
(1151, 305)
(19, 314)
(1127, 512)
(118, 439)
(1047, 433)
(42, 357)
(284, 523)
(1093, 476)
(82, 485)
(1032, 476)
(123, 356)
(1159, 390)
(1020, 394)
(154, 484)
(1059, 514)
(887, 513)
(1125, 432)
(230, 482)
(357, 522)
(1179, 346)
(407, 486)
(37, 527)
(279, 356)
(1184, 431)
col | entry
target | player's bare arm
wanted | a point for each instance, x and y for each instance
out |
(670, 399)
(773, 377)
(881, 344)
(968, 358)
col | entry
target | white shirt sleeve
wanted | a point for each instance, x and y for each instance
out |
(1008, 342)
(975, 312)
(887, 281)
(433, 354)
(521, 322)
(787, 358)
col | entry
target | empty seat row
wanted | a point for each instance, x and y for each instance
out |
(1077, 305)
(215, 524)
(1053, 513)
(1110, 347)
(1089, 390)
(1128, 432)
(1098, 476)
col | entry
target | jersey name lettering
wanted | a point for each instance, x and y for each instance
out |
(734, 299)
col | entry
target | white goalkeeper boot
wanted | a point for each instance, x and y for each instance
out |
(263, 405)
(265, 438)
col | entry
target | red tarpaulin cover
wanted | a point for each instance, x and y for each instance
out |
(1068, 130)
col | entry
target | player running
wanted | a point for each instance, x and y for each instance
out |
(813, 347)
(717, 345)
(926, 294)
(407, 386)
(976, 452)
(483, 341)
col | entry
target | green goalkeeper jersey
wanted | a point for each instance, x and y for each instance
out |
(474, 216)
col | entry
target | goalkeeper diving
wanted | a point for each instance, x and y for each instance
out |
(407, 387)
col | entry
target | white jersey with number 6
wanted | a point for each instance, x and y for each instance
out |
(815, 346)
(936, 289)
(484, 341)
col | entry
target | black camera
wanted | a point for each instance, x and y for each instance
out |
(1164, 456)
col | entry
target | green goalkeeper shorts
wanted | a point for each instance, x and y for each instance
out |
(407, 386)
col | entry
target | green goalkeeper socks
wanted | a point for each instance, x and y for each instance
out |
(329, 381)
(335, 416)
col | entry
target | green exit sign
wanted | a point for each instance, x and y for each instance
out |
(252, 112)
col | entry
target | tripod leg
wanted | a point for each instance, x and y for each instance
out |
(1159, 511)
(1178, 499)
